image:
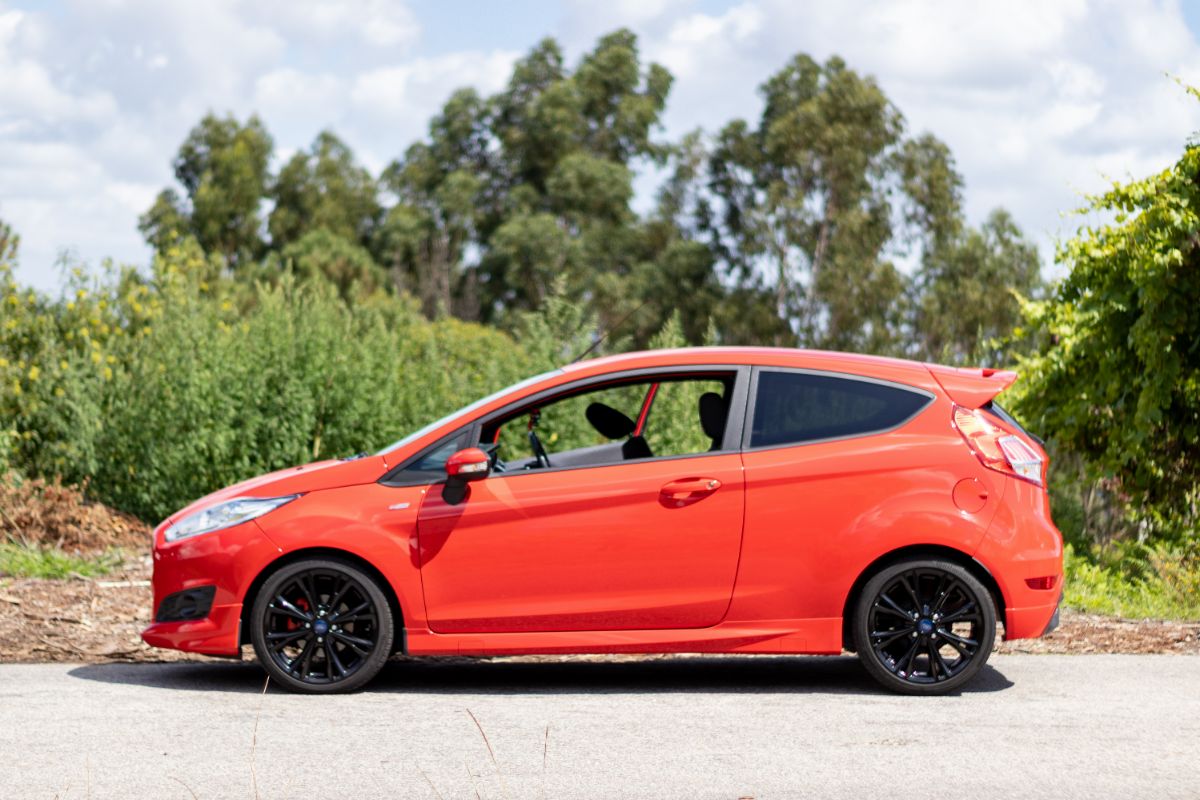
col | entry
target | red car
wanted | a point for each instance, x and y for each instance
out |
(717, 500)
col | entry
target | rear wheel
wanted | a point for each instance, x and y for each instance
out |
(924, 626)
(321, 626)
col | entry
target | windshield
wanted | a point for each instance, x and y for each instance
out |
(412, 437)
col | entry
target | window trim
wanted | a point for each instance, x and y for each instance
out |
(731, 442)
(748, 425)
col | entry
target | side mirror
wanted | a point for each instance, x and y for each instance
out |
(471, 464)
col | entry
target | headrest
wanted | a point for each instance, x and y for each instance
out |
(610, 423)
(712, 416)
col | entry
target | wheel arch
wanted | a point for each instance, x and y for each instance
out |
(400, 644)
(964, 560)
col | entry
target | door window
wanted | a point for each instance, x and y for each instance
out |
(648, 418)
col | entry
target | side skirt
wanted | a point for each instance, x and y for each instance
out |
(807, 636)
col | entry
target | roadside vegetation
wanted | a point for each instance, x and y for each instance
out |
(318, 310)
(27, 560)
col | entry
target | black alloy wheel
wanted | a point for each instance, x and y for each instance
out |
(924, 627)
(321, 626)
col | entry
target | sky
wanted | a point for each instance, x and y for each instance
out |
(1040, 101)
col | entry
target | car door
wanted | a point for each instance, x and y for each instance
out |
(650, 543)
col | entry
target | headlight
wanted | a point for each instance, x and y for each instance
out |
(224, 515)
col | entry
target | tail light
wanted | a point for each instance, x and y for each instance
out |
(997, 448)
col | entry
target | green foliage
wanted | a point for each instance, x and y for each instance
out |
(156, 392)
(969, 292)
(1116, 373)
(222, 167)
(323, 189)
(1156, 582)
(322, 254)
(785, 231)
(803, 214)
(23, 560)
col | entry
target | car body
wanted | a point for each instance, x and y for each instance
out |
(826, 469)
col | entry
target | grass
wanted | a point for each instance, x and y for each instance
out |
(24, 560)
(1157, 583)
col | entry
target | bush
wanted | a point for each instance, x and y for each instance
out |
(1134, 581)
(154, 392)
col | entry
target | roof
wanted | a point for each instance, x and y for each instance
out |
(856, 363)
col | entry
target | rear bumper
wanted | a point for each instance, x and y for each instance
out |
(1031, 622)
(1052, 625)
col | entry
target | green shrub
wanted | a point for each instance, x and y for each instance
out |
(1134, 581)
(155, 392)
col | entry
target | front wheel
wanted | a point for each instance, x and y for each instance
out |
(321, 626)
(924, 626)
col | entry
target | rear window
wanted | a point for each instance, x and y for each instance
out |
(994, 407)
(795, 407)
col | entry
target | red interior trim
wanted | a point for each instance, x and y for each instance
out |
(641, 422)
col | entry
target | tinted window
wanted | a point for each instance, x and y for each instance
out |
(792, 407)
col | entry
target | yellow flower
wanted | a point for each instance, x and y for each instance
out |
(112, 359)
(95, 357)
(63, 365)
(58, 391)
(108, 373)
(3, 362)
(34, 372)
(79, 295)
(71, 306)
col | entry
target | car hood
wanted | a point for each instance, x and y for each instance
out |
(318, 475)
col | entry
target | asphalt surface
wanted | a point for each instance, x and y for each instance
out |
(1031, 727)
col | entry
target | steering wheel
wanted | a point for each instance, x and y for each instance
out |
(539, 451)
(493, 451)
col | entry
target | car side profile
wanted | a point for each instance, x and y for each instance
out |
(714, 500)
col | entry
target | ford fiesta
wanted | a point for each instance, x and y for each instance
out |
(718, 500)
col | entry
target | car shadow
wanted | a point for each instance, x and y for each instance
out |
(568, 675)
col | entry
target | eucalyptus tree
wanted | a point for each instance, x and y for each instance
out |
(323, 188)
(819, 199)
(223, 169)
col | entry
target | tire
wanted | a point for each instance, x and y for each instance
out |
(924, 627)
(339, 645)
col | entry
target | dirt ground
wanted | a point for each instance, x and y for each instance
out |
(100, 619)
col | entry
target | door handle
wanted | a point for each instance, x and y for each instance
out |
(690, 486)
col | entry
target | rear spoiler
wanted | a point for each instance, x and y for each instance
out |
(971, 387)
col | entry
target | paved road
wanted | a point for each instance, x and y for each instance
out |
(1033, 727)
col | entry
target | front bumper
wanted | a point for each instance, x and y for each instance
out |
(218, 634)
(228, 560)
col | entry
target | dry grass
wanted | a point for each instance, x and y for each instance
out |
(49, 515)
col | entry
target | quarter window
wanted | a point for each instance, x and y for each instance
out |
(795, 407)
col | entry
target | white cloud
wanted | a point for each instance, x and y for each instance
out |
(1039, 101)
